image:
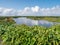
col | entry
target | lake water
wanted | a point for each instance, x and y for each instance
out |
(30, 22)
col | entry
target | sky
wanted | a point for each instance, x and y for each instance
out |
(29, 7)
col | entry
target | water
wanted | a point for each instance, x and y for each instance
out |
(31, 22)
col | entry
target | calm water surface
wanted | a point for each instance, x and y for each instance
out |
(31, 22)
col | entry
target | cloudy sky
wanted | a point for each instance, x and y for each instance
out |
(29, 7)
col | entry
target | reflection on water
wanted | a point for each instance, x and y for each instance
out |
(31, 22)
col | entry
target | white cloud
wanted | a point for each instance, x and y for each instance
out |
(35, 9)
(54, 11)
(7, 12)
(31, 11)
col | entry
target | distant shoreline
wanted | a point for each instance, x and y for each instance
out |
(31, 16)
(48, 18)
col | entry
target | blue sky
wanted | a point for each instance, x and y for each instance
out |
(19, 4)
(22, 4)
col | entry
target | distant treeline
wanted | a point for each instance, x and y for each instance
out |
(31, 16)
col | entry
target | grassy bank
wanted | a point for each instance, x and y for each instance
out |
(13, 34)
